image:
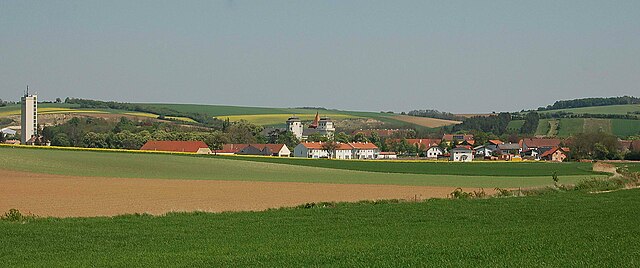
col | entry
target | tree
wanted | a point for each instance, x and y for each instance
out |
(244, 132)
(3, 138)
(216, 139)
(95, 140)
(530, 123)
(359, 137)
(595, 145)
(330, 147)
(58, 100)
(316, 137)
(342, 137)
(61, 139)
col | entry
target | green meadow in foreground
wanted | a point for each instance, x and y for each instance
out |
(553, 230)
(484, 168)
(166, 166)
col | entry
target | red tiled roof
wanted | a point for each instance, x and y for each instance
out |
(232, 148)
(552, 151)
(174, 146)
(496, 142)
(363, 145)
(540, 142)
(274, 147)
(312, 145)
(387, 153)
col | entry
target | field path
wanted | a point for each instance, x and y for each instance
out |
(68, 196)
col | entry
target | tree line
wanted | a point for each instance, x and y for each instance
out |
(436, 114)
(589, 102)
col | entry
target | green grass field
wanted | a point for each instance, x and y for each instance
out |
(498, 168)
(569, 126)
(165, 166)
(610, 109)
(556, 230)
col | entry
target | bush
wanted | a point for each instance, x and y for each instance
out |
(14, 215)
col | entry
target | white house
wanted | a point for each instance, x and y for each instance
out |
(364, 150)
(434, 152)
(461, 154)
(343, 151)
(310, 150)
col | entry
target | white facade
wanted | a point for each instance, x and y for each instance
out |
(461, 155)
(365, 153)
(29, 117)
(303, 151)
(343, 154)
(434, 152)
(294, 125)
(387, 156)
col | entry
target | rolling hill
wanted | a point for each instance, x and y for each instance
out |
(257, 115)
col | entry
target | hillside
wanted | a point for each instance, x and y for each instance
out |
(565, 127)
(610, 109)
(257, 115)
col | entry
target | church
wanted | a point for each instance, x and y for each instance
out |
(323, 126)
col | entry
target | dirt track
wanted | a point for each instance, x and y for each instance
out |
(65, 196)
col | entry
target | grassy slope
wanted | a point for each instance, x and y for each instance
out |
(558, 230)
(611, 109)
(163, 166)
(625, 128)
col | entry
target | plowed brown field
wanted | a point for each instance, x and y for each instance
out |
(66, 196)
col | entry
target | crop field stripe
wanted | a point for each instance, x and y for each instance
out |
(166, 166)
(556, 230)
(494, 168)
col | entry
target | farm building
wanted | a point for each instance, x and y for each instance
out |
(364, 150)
(197, 147)
(266, 150)
(230, 149)
(462, 154)
(557, 154)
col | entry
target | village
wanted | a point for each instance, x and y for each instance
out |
(451, 147)
(319, 140)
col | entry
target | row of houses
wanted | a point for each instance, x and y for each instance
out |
(349, 150)
(532, 149)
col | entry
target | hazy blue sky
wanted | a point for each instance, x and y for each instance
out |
(458, 56)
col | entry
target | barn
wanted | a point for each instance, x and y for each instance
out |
(197, 147)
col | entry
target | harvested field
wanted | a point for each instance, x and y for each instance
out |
(72, 196)
(425, 121)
